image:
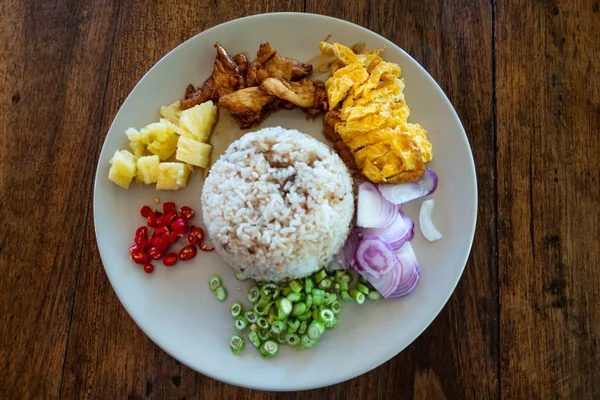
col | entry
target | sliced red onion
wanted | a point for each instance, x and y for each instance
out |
(429, 230)
(375, 257)
(345, 257)
(398, 233)
(373, 211)
(403, 192)
(411, 271)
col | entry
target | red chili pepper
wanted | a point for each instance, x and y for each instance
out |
(169, 217)
(160, 243)
(179, 226)
(206, 249)
(188, 252)
(186, 212)
(155, 253)
(168, 207)
(151, 220)
(139, 257)
(196, 235)
(146, 211)
(160, 231)
(148, 268)
(170, 259)
(142, 231)
(133, 248)
(141, 241)
(169, 237)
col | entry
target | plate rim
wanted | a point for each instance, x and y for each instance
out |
(393, 352)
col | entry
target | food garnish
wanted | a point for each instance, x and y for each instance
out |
(425, 221)
(404, 192)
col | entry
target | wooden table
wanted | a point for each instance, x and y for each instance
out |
(524, 321)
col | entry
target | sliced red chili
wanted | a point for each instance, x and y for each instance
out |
(155, 253)
(133, 248)
(169, 237)
(179, 226)
(160, 231)
(206, 249)
(146, 211)
(186, 212)
(170, 259)
(158, 214)
(168, 207)
(139, 257)
(141, 241)
(148, 268)
(142, 231)
(188, 252)
(196, 235)
(151, 220)
(160, 243)
(169, 217)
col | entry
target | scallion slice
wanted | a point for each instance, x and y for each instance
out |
(325, 316)
(358, 296)
(315, 329)
(277, 327)
(293, 325)
(221, 293)
(362, 288)
(269, 349)
(292, 339)
(284, 308)
(239, 276)
(236, 343)
(374, 295)
(295, 286)
(254, 339)
(214, 282)
(253, 294)
(336, 307)
(240, 323)
(322, 274)
(251, 316)
(307, 342)
(345, 296)
(308, 285)
(236, 309)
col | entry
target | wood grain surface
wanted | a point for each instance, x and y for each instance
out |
(524, 321)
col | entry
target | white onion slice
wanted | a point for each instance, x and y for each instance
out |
(373, 211)
(425, 222)
(403, 192)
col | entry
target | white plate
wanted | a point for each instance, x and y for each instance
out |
(174, 306)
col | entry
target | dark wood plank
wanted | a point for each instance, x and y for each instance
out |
(456, 357)
(52, 63)
(549, 187)
(108, 355)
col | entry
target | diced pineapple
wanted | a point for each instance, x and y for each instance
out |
(193, 152)
(139, 149)
(199, 120)
(172, 112)
(123, 168)
(147, 169)
(172, 176)
(164, 150)
(159, 131)
(142, 136)
(177, 129)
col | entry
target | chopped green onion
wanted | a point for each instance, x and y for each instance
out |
(299, 308)
(333, 323)
(253, 294)
(261, 308)
(287, 291)
(345, 296)
(339, 274)
(344, 278)
(304, 317)
(264, 334)
(295, 286)
(325, 283)
(250, 316)
(362, 288)
(361, 280)
(239, 276)
(284, 308)
(214, 282)
(336, 287)
(308, 285)
(358, 296)
(336, 307)
(292, 325)
(269, 289)
(269, 349)
(315, 330)
(292, 339)
(302, 328)
(322, 274)
(240, 323)
(326, 316)
(254, 339)
(309, 301)
(343, 286)
(236, 309)
(262, 323)
(293, 297)
(315, 313)
(281, 338)
(307, 342)
(221, 293)
(236, 343)
(329, 299)
(273, 315)
(318, 296)
(277, 327)
(374, 295)
(253, 327)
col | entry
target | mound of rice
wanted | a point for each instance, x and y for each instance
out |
(278, 204)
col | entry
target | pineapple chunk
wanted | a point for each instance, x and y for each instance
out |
(142, 136)
(177, 129)
(139, 149)
(147, 169)
(123, 168)
(193, 152)
(199, 120)
(164, 150)
(159, 131)
(172, 112)
(172, 176)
